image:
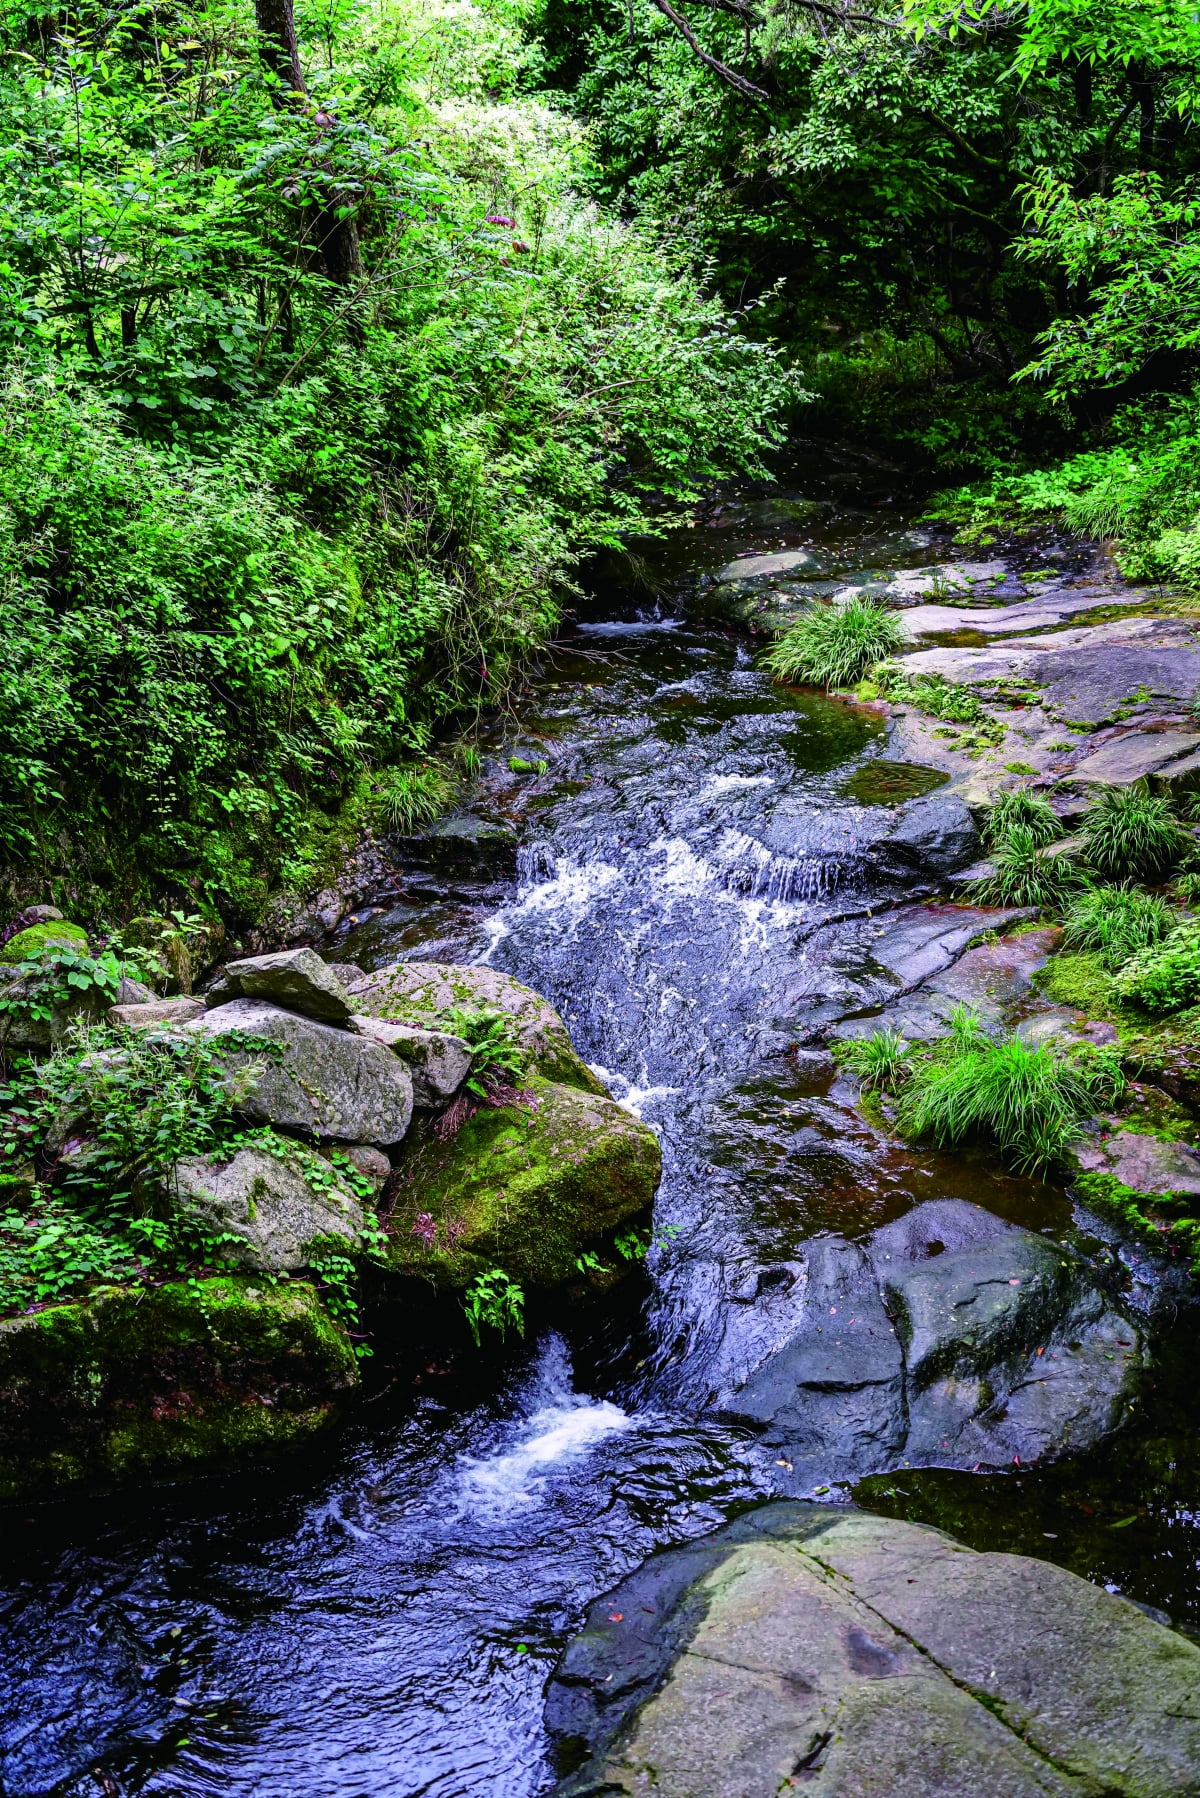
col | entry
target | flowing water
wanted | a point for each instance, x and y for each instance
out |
(689, 872)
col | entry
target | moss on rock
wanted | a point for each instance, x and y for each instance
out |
(29, 943)
(425, 993)
(164, 1378)
(522, 1187)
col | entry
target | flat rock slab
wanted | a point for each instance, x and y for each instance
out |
(769, 565)
(1040, 614)
(1143, 1163)
(808, 1647)
(154, 1014)
(295, 978)
(1087, 674)
(1136, 756)
(996, 975)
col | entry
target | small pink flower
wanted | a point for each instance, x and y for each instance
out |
(425, 1228)
(498, 218)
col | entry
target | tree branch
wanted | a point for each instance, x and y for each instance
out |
(712, 62)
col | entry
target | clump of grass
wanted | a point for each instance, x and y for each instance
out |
(412, 794)
(1028, 1102)
(1128, 831)
(1027, 810)
(878, 1060)
(1117, 921)
(1024, 874)
(834, 646)
(1165, 977)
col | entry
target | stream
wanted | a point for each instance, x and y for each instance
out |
(682, 865)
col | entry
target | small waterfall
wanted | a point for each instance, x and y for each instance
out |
(753, 871)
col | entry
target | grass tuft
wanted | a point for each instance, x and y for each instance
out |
(1129, 832)
(1025, 874)
(1027, 810)
(878, 1060)
(835, 646)
(414, 794)
(1118, 922)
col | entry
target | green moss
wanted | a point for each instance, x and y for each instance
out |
(28, 943)
(521, 1187)
(134, 1379)
(1141, 1213)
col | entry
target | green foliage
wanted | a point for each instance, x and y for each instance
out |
(1033, 814)
(1116, 921)
(1130, 832)
(1028, 1102)
(494, 1300)
(498, 1056)
(877, 1060)
(836, 645)
(408, 796)
(60, 975)
(1166, 976)
(1024, 874)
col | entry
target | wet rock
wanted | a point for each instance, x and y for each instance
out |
(993, 976)
(814, 1647)
(1145, 1164)
(523, 1186)
(437, 1061)
(423, 994)
(934, 835)
(327, 1082)
(295, 978)
(1062, 1025)
(948, 1338)
(152, 1014)
(271, 1203)
(776, 562)
(1135, 757)
(163, 1378)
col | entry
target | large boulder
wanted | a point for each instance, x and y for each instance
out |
(521, 1186)
(164, 1377)
(325, 1083)
(32, 942)
(936, 835)
(808, 1647)
(948, 1338)
(276, 1203)
(295, 978)
(422, 993)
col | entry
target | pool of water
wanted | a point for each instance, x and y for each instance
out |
(376, 1618)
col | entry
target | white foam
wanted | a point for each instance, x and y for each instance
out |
(621, 627)
(633, 1099)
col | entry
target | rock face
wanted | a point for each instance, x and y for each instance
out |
(948, 1338)
(814, 1648)
(270, 1202)
(151, 1014)
(437, 1061)
(1145, 1164)
(327, 1083)
(936, 835)
(164, 1377)
(419, 993)
(295, 978)
(522, 1186)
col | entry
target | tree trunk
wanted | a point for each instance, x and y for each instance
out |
(277, 29)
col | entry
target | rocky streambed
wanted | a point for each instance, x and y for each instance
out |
(690, 885)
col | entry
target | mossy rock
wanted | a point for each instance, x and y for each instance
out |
(152, 1379)
(523, 1187)
(1163, 1047)
(30, 943)
(422, 993)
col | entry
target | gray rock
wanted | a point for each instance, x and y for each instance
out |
(372, 1163)
(422, 993)
(437, 1061)
(780, 561)
(328, 1083)
(934, 835)
(271, 1203)
(1143, 1163)
(1136, 756)
(814, 1647)
(296, 978)
(153, 1013)
(948, 1338)
(134, 992)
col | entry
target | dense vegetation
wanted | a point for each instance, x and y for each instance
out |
(319, 378)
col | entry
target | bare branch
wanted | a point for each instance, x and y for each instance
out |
(712, 62)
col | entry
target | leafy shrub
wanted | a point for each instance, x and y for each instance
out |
(1024, 874)
(59, 977)
(1035, 815)
(495, 1300)
(877, 1060)
(1130, 832)
(1165, 977)
(836, 645)
(1028, 1101)
(1118, 921)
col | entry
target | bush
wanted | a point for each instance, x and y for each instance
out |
(1024, 873)
(1035, 815)
(1130, 832)
(1165, 977)
(834, 646)
(1029, 1102)
(1118, 921)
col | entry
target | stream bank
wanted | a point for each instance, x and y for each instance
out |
(704, 860)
